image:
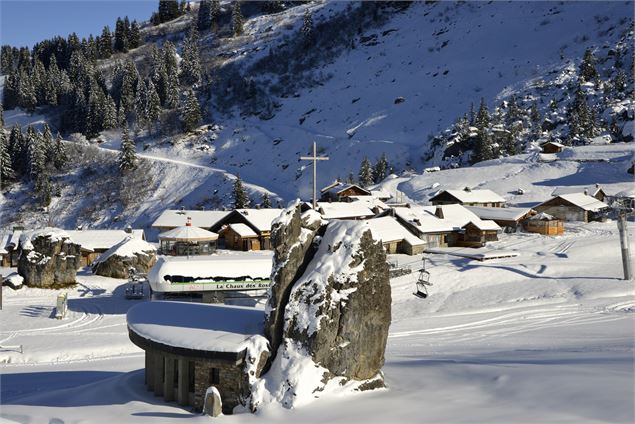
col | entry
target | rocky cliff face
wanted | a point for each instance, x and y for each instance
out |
(292, 238)
(48, 258)
(331, 301)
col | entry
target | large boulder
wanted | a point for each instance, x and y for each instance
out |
(129, 253)
(292, 236)
(48, 258)
(335, 317)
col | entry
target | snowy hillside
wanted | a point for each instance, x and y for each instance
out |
(385, 82)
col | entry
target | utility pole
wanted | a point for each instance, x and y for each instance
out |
(314, 158)
(626, 254)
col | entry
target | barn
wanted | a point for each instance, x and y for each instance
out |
(552, 147)
(574, 207)
(468, 197)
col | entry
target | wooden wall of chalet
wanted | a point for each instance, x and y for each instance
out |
(563, 210)
(235, 241)
(547, 228)
(472, 237)
(550, 148)
(446, 198)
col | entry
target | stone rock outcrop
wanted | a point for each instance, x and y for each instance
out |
(48, 258)
(129, 253)
(345, 299)
(331, 295)
(292, 238)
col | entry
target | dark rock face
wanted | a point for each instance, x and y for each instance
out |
(116, 266)
(330, 302)
(48, 258)
(292, 237)
(353, 310)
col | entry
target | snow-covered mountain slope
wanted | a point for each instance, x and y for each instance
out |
(385, 85)
(439, 58)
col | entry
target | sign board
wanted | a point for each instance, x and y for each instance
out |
(229, 284)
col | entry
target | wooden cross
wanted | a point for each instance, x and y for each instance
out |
(314, 158)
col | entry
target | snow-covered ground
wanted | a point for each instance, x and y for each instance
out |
(542, 337)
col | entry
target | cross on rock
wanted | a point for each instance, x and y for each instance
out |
(314, 158)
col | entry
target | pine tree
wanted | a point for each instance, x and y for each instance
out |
(36, 155)
(128, 83)
(380, 171)
(204, 19)
(47, 143)
(191, 64)
(365, 173)
(60, 157)
(307, 28)
(619, 81)
(10, 96)
(171, 71)
(534, 114)
(215, 14)
(153, 105)
(1, 118)
(482, 117)
(105, 43)
(128, 153)
(266, 203)
(513, 111)
(483, 149)
(6, 168)
(110, 113)
(191, 112)
(26, 92)
(134, 38)
(141, 101)
(587, 67)
(241, 199)
(168, 10)
(121, 42)
(237, 19)
(472, 114)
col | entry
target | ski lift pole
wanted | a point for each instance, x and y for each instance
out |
(626, 254)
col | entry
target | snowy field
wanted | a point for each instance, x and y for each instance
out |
(546, 336)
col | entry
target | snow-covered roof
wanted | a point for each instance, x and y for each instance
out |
(542, 217)
(127, 248)
(459, 216)
(474, 196)
(380, 194)
(338, 187)
(583, 201)
(553, 143)
(177, 218)
(243, 230)
(236, 265)
(387, 229)
(186, 233)
(4, 241)
(503, 214)
(340, 210)
(197, 326)
(261, 218)
(101, 239)
(370, 201)
(590, 190)
(424, 219)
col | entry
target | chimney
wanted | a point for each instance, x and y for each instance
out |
(128, 229)
(586, 192)
(189, 222)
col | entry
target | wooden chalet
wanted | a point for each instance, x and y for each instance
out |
(468, 229)
(544, 224)
(337, 191)
(238, 237)
(594, 191)
(468, 197)
(171, 219)
(422, 222)
(574, 207)
(394, 237)
(552, 147)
